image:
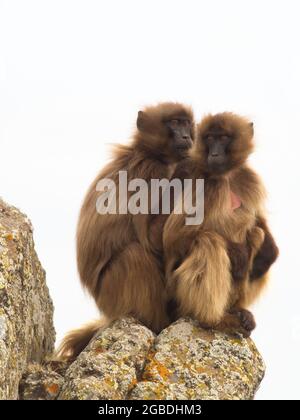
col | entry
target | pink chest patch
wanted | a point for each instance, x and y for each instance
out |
(236, 202)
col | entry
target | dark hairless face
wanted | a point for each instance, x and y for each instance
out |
(217, 141)
(180, 130)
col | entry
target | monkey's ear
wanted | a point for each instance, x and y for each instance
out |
(251, 126)
(142, 120)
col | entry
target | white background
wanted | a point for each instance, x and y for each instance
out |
(73, 75)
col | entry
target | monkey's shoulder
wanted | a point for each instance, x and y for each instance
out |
(248, 186)
(246, 182)
(246, 175)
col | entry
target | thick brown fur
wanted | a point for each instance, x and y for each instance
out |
(119, 255)
(208, 266)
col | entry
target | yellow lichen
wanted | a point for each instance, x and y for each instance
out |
(9, 236)
(154, 366)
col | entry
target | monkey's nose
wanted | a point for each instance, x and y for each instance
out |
(215, 154)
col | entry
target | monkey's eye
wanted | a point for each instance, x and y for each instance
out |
(224, 138)
(174, 123)
(209, 138)
(186, 123)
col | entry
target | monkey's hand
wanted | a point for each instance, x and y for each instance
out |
(255, 238)
(265, 257)
(239, 259)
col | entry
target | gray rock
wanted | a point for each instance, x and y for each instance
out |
(111, 364)
(42, 382)
(126, 361)
(190, 363)
(26, 328)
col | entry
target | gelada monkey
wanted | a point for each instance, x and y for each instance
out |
(217, 269)
(118, 254)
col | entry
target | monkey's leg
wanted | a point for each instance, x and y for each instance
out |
(202, 282)
(246, 292)
(133, 284)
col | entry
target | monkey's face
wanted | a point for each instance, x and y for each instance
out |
(167, 130)
(179, 135)
(225, 142)
(217, 145)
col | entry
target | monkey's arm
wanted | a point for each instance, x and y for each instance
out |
(266, 255)
(239, 256)
(262, 247)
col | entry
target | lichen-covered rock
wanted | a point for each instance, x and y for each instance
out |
(26, 328)
(111, 364)
(42, 382)
(126, 361)
(190, 363)
(123, 361)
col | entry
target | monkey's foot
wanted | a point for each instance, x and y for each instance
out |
(237, 321)
(247, 319)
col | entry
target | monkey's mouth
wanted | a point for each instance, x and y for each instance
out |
(183, 147)
(216, 163)
(182, 150)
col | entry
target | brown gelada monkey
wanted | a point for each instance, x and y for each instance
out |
(216, 269)
(118, 255)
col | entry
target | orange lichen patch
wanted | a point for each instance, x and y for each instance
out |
(99, 350)
(153, 367)
(52, 388)
(201, 369)
(9, 236)
(132, 384)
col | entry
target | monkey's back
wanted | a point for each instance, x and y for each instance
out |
(101, 237)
